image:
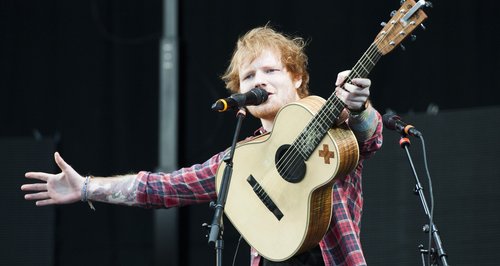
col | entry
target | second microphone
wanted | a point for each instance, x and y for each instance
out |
(254, 96)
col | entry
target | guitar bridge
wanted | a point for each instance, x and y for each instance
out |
(264, 197)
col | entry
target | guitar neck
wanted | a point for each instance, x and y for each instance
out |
(317, 128)
(361, 69)
(403, 22)
(365, 64)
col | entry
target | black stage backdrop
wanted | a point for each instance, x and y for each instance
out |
(86, 74)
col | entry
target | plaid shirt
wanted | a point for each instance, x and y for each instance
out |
(196, 184)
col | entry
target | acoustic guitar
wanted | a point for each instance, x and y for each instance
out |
(279, 198)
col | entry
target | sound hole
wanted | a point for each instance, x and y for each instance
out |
(290, 164)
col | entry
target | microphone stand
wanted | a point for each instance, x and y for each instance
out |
(216, 228)
(437, 252)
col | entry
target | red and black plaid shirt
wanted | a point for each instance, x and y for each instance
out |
(196, 184)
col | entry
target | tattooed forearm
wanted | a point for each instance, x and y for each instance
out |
(364, 124)
(117, 190)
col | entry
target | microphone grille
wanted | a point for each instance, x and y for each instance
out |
(389, 120)
(261, 94)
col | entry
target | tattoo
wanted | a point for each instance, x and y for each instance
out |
(116, 190)
(364, 124)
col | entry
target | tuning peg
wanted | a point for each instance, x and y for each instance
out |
(403, 48)
(429, 4)
(423, 26)
(413, 37)
(383, 24)
(393, 12)
(402, 2)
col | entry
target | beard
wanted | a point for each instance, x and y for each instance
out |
(267, 111)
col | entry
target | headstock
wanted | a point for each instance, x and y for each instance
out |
(409, 16)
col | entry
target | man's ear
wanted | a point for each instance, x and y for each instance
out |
(297, 83)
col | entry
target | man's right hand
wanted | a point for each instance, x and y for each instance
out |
(62, 188)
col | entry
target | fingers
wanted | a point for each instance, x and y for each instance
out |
(60, 162)
(45, 202)
(37, 196)
(351, 98)
(34, 187)
(341, 94)
(38, 175)
(42, 198)
(362, 82)
(350, 91)
(45, 176)
(341, 77)
(356, 90)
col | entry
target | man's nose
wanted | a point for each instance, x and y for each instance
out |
(260, 80)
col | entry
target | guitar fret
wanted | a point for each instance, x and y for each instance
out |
(371, 62)
(365, 71)
(304, 155)
(318, 127)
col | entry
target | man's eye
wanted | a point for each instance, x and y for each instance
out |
(248, 76)
(272, 70)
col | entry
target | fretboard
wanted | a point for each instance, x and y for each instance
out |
(316, 129)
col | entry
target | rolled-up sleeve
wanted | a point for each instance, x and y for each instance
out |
(190, 185)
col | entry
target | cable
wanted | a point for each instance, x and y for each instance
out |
(431, 194)
(236, 252)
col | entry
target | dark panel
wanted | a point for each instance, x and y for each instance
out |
(86, 71)
(462, 150)
(26, 231)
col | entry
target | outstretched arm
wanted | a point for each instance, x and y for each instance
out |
(66, 187)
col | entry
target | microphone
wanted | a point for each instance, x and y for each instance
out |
(393, 122)
(254, 96)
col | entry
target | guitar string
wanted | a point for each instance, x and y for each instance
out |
(312, 125)
(317, 123)
(333, 99)
(332, 108)
(372, 55)
(373, 52)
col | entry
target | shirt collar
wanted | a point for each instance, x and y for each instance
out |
(259, 131)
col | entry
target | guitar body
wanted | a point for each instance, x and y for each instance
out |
(300, 212)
